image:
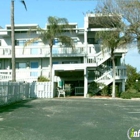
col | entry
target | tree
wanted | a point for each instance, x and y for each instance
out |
(55, 29)
(13, 38)
(130, 11)
(108, 17)
(132, 76)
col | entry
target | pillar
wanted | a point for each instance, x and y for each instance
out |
(85, 82)
(123, 85)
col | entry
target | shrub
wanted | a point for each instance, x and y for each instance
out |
(130, 93)
(92, 88)
(42, 79)
(104, 91)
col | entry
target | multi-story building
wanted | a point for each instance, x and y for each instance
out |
(73, 68)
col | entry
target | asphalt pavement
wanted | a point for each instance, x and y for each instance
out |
(69, 119)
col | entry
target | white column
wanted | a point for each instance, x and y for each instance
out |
(85, 82)
(123, 59)
(123, 85)
(52, 84)
(86, 45)
(85, 37)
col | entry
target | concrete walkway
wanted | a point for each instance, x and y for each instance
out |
(69, 119)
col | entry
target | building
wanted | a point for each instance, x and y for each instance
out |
(73, 68)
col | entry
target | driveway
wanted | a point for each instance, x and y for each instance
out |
(69, 119)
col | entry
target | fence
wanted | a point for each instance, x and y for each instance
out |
(15, 91)
(40, 90)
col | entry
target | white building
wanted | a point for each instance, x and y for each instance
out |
(76, 67)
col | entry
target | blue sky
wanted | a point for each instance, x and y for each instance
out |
(39, 10)
(133, 58)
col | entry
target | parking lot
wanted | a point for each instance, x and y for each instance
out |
(69, 119)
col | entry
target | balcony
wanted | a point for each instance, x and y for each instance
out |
(57, 51)
(42, 51)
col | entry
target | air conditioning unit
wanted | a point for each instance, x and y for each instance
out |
(7, 51)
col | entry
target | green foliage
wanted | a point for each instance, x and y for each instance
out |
(104, 91)
(137, 85)
(131, 93)
(92, 88)
(132, 76)
(42, 79)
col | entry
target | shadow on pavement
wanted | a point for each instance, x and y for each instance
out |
(13, 106)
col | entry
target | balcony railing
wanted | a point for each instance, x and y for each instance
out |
(42, 51)
(24, 74)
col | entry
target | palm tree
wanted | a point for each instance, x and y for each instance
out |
(55, 29)
(13, 38)
(108, 16)
(113, 40)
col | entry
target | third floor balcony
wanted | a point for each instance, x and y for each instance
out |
(57, 51)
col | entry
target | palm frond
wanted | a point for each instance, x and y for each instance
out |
(29, 42)
(23, 2)
(68, 41)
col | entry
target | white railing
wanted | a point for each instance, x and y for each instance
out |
(42, 50)
(106, 78)
(121, 72)
(99, 58)
(28, 75)
(102, 56)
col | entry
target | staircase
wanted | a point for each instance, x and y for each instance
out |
(104, 80)
(103, 74)
(99, 58)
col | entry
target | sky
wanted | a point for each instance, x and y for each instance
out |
(39, 10)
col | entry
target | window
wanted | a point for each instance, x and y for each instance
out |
(35, 43)
(55, 62)
(34, 66)
(21, 65)
(92, 41)
(20, 42)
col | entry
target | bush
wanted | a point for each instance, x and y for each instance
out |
(131, 93)
(104, 91)
(42, 79)
(92, 88)
(137, 86)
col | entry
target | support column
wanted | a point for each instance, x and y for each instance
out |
(85, 37)
(123, 59)
(52, 84)
(85, 82)
(123, 85)
(86, 45)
